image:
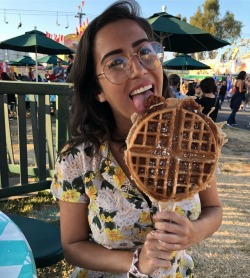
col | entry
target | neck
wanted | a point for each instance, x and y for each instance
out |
(121, 131)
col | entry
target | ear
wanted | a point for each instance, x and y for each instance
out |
(101, 97)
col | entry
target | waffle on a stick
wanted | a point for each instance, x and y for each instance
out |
(173, 150)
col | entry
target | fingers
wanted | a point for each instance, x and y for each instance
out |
(167, 242)
(154, 255)
(171, 222)
(175, 232)
(169, 216)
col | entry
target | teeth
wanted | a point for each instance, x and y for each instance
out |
(141, 90)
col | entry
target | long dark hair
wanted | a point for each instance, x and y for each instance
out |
(208, 85)
(242, 75)
(92, 120)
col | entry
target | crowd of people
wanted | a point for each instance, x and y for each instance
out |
(59, 74)
(211, 94)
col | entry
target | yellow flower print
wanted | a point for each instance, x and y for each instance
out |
(70, 196)
(195, 212)
(59, 174)
(145, 217)
(183, 262)
(106, 219)
(56, 185)
(178, 275)
(179, 211)
(173, 255)
(88, 179)
(113, 235)
(119, 176)
(83, 273)
(107, 168)
(91, 191)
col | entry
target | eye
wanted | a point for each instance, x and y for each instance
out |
(116, 63)
(146, 51)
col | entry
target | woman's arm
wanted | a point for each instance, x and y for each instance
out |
(181, 233)
(79, 251)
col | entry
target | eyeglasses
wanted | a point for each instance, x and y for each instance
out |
(58, 62)
(117, 69)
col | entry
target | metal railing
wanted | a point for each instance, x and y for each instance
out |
(30, 141)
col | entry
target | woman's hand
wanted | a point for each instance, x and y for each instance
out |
(153, 255)
(175, 232)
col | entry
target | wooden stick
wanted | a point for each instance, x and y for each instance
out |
(164, 205)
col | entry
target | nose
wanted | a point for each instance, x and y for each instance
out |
(136, 69)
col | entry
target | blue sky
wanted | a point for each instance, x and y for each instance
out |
(46, 15)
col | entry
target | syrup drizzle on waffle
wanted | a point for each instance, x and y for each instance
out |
(172, 153)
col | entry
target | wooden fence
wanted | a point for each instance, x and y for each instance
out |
(30, 141)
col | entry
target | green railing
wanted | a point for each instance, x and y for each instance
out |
(30, 141)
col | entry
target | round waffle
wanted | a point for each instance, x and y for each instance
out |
(173, 150)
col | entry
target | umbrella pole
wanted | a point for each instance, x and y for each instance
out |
(36, 65)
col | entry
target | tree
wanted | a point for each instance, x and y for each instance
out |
(182, 18)
(208, 19)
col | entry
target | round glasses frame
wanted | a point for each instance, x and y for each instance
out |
(117, 69)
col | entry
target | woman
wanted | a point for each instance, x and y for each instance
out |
(191, 91)
(197, 91)
(108, 227)
(237, 98)
(209, 101)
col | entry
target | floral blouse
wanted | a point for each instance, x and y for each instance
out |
(118, 213)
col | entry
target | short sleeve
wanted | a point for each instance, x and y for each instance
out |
(68, 181)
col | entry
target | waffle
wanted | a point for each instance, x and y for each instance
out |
(172, 151)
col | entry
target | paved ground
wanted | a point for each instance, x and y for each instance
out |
(242, 117)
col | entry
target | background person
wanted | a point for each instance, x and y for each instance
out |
(191, 91)
(109, 228)
(58, 72)
(70, 61)
(31, 74)
(237, 97)
(174, 82)
(222, 92)
(198, 91)
(209, 100)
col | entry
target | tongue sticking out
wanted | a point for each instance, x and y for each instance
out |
(139, 100)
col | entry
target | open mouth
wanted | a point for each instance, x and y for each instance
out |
(140, 95)
(141, 90)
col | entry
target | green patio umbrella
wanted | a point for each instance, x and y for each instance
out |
(35, 42)
(178, 36)
(51, 60)
(22, 61)
(184, 62)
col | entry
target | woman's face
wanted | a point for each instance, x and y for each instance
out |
(124, 38)
(198, 90)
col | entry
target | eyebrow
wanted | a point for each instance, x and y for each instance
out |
(119, 50)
